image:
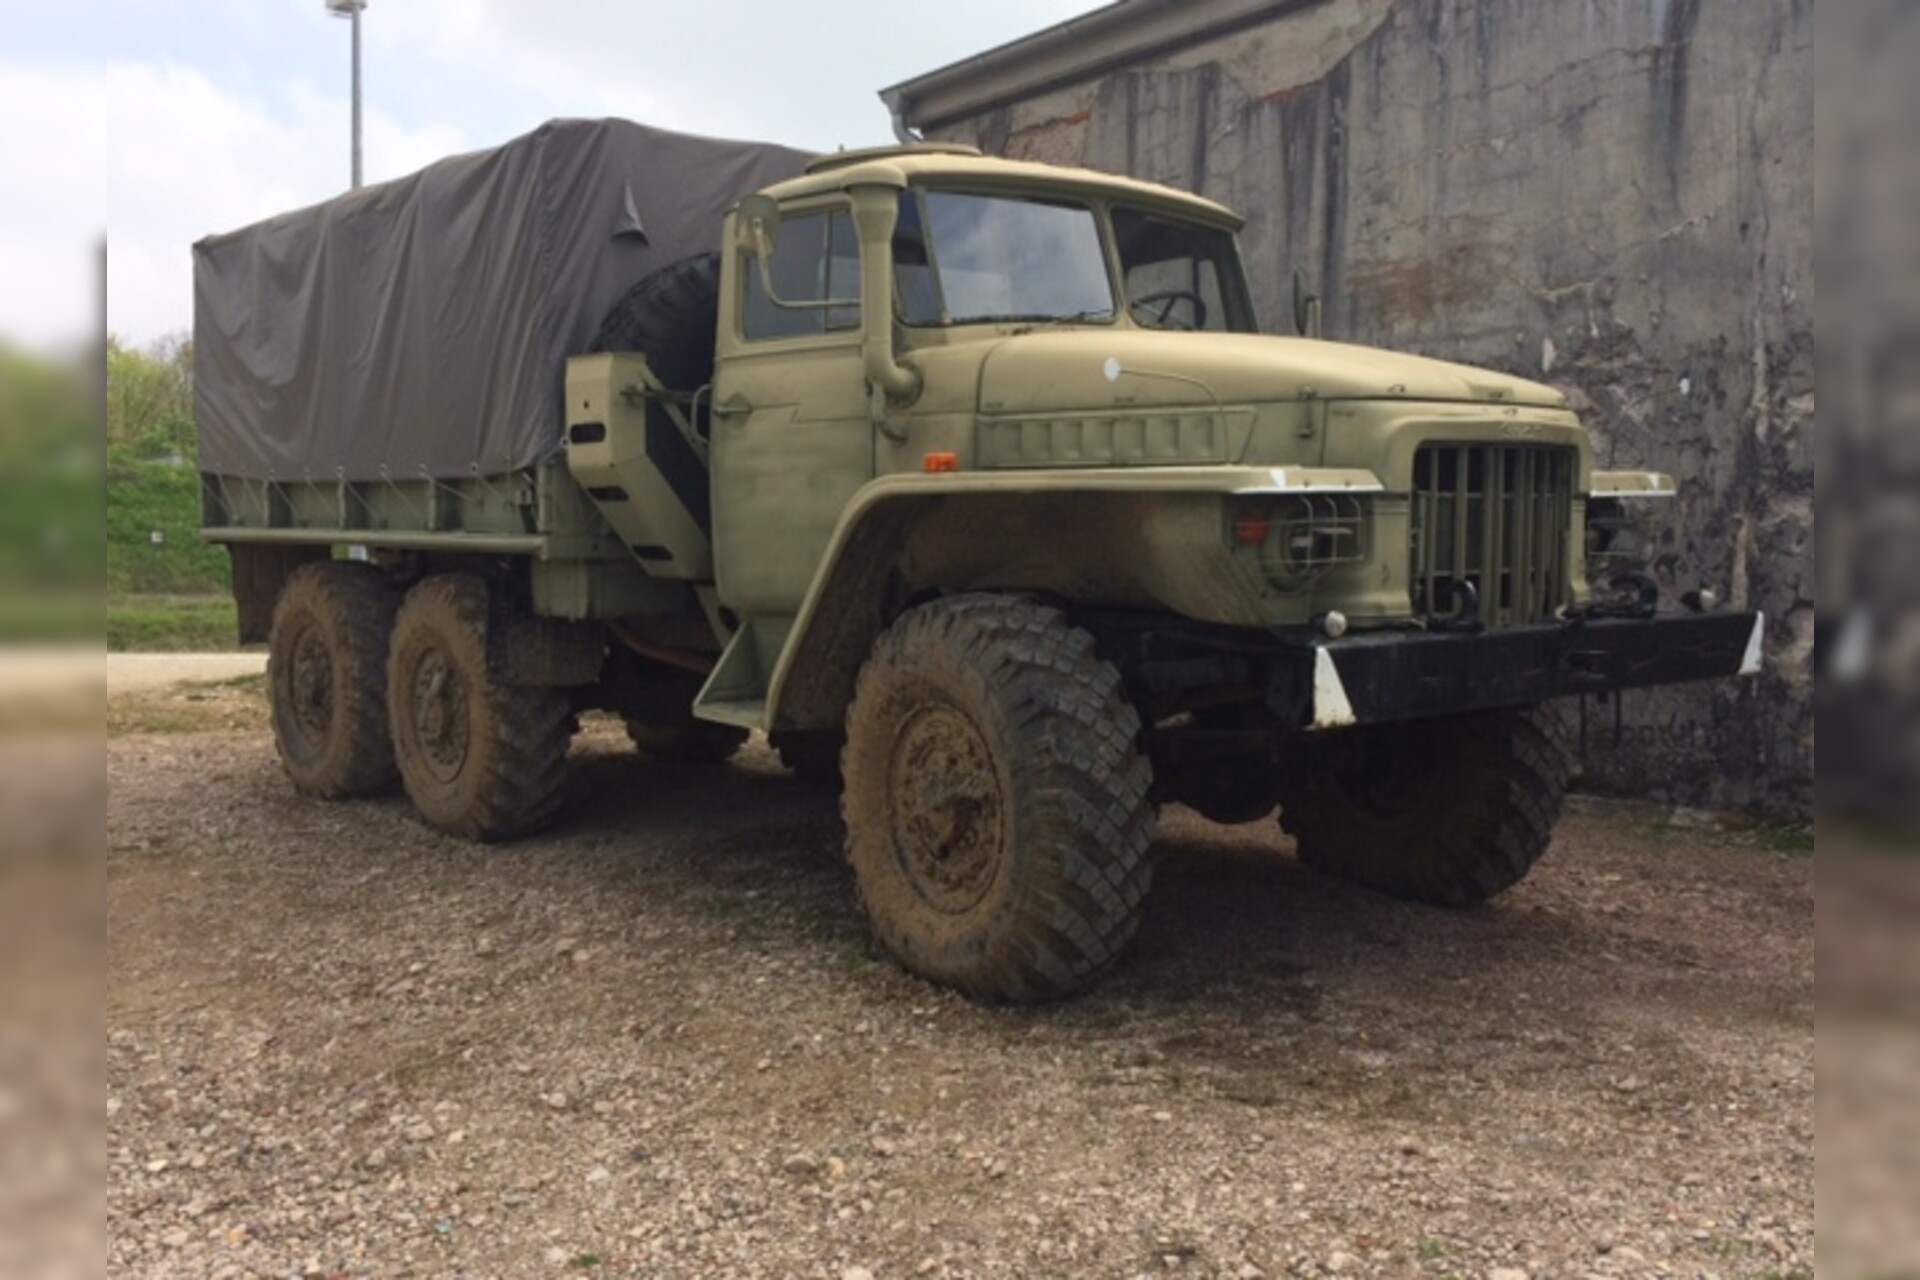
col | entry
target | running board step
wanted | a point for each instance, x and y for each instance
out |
(736, 692)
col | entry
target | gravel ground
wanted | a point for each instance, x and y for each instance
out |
(655, 1043)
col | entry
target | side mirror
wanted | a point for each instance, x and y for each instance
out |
(756, 231)
(757, 228)
(1306, 308)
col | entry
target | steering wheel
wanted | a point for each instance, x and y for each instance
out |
(1167, 298)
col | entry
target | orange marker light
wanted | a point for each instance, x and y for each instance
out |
(941, 463)
(1250, 533)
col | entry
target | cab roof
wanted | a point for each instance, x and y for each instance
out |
(936, 163)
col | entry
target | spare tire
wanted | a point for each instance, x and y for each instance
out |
(669, 317)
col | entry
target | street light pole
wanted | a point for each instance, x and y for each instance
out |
(356, 94)
(350, 10)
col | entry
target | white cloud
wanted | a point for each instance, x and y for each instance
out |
(229, 111)
(191, 159)
(54, 211)
(804, 74)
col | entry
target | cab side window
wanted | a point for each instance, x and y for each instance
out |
(1178, 273)
(818, 260)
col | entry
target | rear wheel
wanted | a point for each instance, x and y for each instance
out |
(327, 679)
(996, 799)
(813, 755)
(1448, 811)
(690, 741)
(480, 758)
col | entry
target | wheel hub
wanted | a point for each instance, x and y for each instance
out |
(948, 813)
(311, 685)
(439, 699)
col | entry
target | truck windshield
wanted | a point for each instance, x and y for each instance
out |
(973, 259)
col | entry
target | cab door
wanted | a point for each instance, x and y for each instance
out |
(791, 440)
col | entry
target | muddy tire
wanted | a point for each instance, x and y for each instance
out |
(689, 741)
(480, 758)
(813, 755)
(1448, 811)
(996, 800)
(327, 679)
(670, 317)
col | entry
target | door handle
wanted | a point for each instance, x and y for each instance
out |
(732, 409)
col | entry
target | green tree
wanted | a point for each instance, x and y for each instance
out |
(153, 504)
(51, 554)
(150, 397)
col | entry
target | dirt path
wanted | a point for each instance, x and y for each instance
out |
(655, 1043)
(135, 672)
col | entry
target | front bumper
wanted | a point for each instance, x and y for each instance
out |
(1386, 676)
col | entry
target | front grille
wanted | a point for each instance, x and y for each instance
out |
(1490, 529)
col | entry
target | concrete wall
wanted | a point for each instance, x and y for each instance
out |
(1613, 195)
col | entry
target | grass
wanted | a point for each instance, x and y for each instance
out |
(239, 704)
(37, 613)
(145, 499)
(170, 624)
(1788, 839)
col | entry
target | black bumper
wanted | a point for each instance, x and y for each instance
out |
(1380, 677)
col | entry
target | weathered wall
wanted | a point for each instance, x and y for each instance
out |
(1613, 195)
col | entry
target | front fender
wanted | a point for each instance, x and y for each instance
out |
(1150, 538)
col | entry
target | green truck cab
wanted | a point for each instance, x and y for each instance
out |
(973, 484)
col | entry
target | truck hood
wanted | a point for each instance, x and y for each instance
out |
(1080, 369)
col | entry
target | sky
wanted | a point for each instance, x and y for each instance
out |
(163, 122)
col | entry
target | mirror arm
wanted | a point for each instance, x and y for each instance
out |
(758, 241)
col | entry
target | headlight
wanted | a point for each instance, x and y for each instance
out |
(1300, 537)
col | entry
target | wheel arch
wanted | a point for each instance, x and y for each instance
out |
(1088, 538)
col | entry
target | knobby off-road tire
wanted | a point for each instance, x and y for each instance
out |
(812, 755)
(327, 679)
(1448, 811)
(689, 741)
(480, 758)
(996, 799)
(670, 317)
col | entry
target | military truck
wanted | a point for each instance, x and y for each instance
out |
(971, 483)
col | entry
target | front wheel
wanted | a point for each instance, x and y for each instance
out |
(996, 799)
(1449, 811)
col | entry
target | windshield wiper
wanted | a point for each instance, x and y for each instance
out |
(1078, 317)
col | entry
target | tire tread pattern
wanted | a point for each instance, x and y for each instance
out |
(1080, 793)
(354, 604)
(522, 731)
(670, 316)
(1471, 841)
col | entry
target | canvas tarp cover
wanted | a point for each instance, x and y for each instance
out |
(421, 327)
